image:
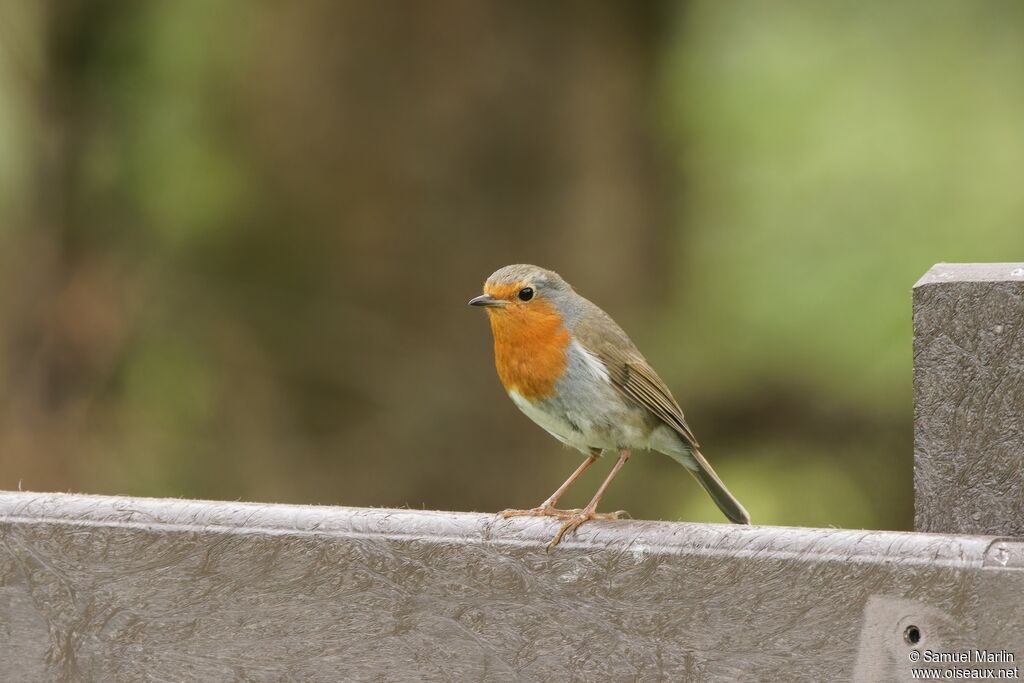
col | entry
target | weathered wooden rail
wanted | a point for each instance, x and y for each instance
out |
(109, 589)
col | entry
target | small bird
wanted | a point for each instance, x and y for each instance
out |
(567, 365)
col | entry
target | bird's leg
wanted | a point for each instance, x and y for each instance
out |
(590, 512)
(547, 508)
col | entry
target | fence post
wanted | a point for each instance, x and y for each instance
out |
(969, 399)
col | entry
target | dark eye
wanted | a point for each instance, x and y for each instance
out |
(526, 293)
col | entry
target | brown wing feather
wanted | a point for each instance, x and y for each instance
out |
(629, 371)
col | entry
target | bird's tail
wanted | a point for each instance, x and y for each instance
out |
(726, 502)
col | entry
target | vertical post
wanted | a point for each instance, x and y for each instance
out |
(969, 399)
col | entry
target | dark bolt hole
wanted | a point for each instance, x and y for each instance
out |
(912, 635)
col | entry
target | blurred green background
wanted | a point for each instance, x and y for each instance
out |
(237, 238)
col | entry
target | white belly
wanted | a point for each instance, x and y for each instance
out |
(551, 423)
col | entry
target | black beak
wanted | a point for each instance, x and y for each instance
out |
(486, 300)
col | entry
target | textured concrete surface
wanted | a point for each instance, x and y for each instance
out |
(969, 399)
(125, 589)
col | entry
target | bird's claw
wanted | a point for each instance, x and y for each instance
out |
(581, 516)
(542, 511)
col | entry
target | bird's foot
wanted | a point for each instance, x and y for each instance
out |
(581, 516)
(542, 511)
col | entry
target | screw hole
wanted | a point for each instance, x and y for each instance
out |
(912, 635)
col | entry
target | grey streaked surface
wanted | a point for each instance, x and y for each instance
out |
(969, 399)
(107, 589)
(973, 272)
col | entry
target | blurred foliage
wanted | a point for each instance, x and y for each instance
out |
(237, 238)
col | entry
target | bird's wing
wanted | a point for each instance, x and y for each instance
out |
(629, 371)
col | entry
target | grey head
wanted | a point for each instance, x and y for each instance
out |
(522, 283)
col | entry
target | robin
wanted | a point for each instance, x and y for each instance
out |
(567, 365)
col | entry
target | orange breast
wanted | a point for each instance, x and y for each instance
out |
(530, 345)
